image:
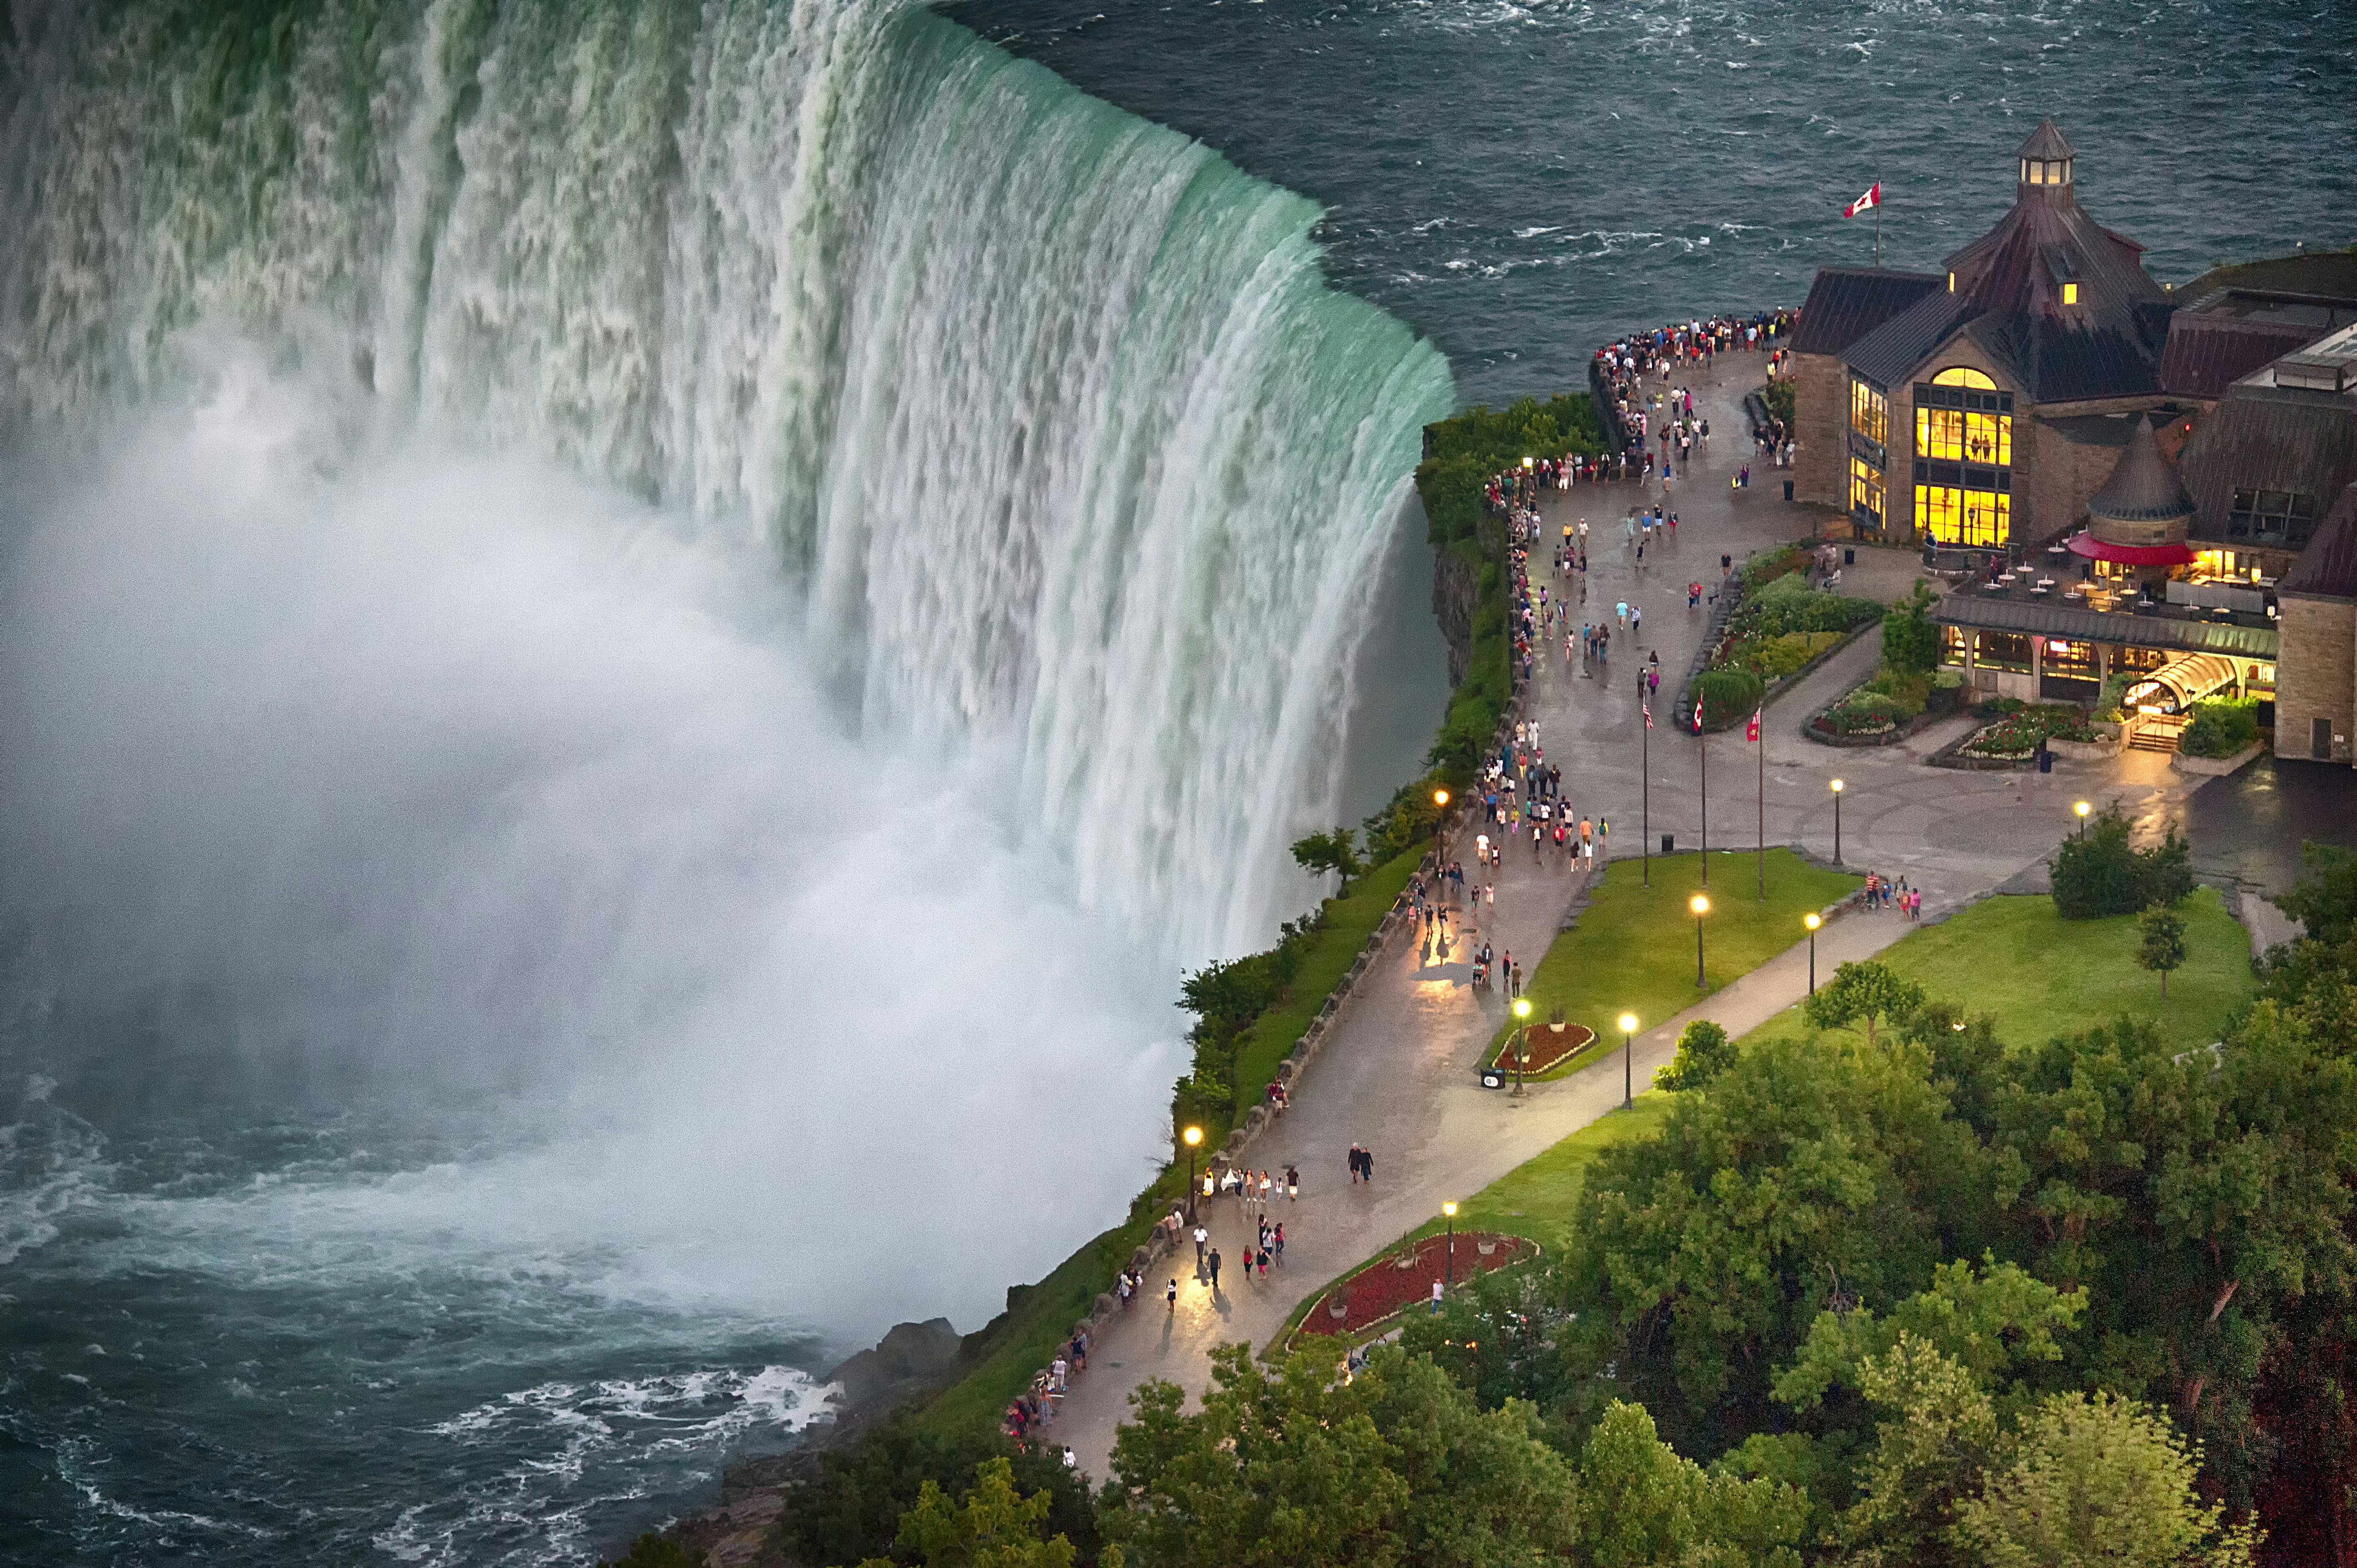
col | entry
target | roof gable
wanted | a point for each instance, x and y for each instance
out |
(2328, 570)
(1845, 303)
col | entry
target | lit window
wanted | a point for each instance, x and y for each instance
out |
(2036, 174)
(2069, 293)
(1962, 376)
(1949, 515)
(1870, 410)
(1952, 283)
(1866, 490)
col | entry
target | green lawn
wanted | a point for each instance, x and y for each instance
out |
(2040, 975)
(1632, 949)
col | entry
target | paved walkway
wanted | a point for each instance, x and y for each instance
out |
(1398, 1073)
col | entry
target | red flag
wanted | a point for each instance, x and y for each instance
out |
(1649, 713)
(1873, 197)
(1697, 715)
(1752, 730)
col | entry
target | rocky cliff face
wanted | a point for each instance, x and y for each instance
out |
(1455, 591)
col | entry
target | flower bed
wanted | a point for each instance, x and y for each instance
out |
(1404, 1279)
(1548, 1049)
(2019, 727)
(1780, 629)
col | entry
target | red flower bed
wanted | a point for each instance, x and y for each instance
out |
(1547, 1048)
(1382, 1288)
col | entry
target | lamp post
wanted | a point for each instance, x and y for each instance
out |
(2082, 808)
(1522, 1040)
(1449, 1209)
(1628, 1057)
(1812, 920)
(1192, 1136)
(1701, 907)
(1837, 795)
(1440, 832)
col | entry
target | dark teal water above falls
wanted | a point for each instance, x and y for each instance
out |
(1518, 179)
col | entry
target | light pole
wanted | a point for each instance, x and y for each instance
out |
(1522, 1040)
(1440, 832)
(1812, 920)
(1449, 1209)
(1701, 907)
(1837, 795)
(2082, 808)
(1192, 1136)
(1627, 1060)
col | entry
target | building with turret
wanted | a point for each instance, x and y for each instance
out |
(2130, 482)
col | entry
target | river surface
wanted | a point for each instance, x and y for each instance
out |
(637, 638)
(1520, 179)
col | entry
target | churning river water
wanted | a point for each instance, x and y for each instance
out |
(636, 638)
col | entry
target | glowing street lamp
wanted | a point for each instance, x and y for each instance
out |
(1701, 907)
(2082, 808)
(1522, 1040)
(1449, 1208)
(1837, 795)
(1439, 831)
(1628, 1056)
(1192, 1136)
(1812, 920)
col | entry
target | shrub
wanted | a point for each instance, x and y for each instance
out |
(1726, 694)
(2220, 728)
(2098, 872)
(1774, 657)
(1911, 643)
(1704, 1052)
(1865, 712)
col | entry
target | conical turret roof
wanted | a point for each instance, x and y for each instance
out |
(2144, 487)
(2047, 142)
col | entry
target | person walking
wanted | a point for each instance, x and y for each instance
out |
(1170, 1298)
(1201, 1236)
(1276, 1245)
(1292, 1186)
(1435, 1298)
(1215, 1270)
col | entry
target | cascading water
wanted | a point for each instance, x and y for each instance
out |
(633, 642)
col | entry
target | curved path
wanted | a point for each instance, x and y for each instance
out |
(1398, 1075)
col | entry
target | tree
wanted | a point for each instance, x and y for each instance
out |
(1867, 994)
(2097, 872)
(652, 1551)
(1642, 1504)
(2096, 1479)
(1988, 1321)
(994, 1526)
(852, 1507)
(1336, 852)
(1288, 1467)
(1704, 1052)
(1911, 642)
(1937, 1429)
(2163, 945)
(2325, 900)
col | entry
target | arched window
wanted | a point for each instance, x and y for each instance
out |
(1964, 459)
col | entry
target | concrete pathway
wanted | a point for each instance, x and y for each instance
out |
(1398, 1074)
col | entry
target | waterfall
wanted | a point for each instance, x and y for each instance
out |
(1045, 410)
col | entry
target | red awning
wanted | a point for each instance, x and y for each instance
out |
(2095, 549)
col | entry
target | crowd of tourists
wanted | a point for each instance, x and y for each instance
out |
(1643, 414)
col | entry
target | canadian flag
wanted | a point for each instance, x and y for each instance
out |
(1649, 713)
(1752, 730)
(1697, 715)
(1873, 197)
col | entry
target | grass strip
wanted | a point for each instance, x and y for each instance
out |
(1632, 949)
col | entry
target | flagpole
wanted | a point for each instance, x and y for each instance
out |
(1645, 769)
(1878, 228)
(1703, 741)
(1763, 804)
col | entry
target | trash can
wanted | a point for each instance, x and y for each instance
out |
(1849, 556)
(1492, 1078)
(2045, 758)
(1788, 489)
(1669, 844)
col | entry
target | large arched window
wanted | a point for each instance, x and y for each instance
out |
(1964, 459)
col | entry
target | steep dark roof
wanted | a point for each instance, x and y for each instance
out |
(2047, 142)
(2207, 353)
(2328, 570)
(1846, 302)
(2144, 486)
(2010, 287)
(2269, 438)
(2065, 619)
